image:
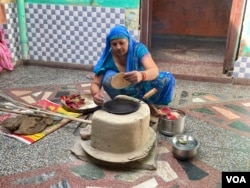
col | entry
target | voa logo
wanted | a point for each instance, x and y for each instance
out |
(236, 179)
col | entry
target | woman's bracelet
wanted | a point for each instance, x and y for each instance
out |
(143, 76)
(93, 94)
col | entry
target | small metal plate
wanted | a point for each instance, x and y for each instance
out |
(87, 107)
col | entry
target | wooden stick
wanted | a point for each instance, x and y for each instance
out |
(45, 112)
(21, 107)
(27, 105)
(39, 110)
(21, 112)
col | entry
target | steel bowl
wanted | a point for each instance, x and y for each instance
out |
(184, 146)
(172, 127)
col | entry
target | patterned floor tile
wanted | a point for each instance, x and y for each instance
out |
(33, 94)
(170, 171)
(234, 115)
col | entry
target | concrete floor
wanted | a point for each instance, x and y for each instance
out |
(221, 149)
(193, 58)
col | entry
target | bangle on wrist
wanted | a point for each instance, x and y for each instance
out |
(143, 76)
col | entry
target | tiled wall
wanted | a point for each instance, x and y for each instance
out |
(242, 65)
(11, 31)
(244, 49)
(63, 33)
(242, 68)
(72, 34)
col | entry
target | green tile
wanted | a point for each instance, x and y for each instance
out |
(132, 4)
(61, 93)
(238, 109)
(203, 111)
(221, 96)
(199, 94)
(184, 94)
(69, 87)
(183, 101)
(240, 126)
(193, 172)
(88, 171)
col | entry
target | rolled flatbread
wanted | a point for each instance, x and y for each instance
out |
(119, 82)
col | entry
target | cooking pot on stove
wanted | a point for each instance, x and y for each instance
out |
(121, 106)
(125, 106)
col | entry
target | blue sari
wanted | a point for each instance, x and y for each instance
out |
(164, 83)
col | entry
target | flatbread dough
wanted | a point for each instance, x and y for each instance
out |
(119, 82)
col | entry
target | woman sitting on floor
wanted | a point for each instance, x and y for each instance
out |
(123, 54)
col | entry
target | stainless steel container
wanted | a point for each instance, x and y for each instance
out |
(184, 146)
(172, 127)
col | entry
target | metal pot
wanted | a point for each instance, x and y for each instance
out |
(172, 127)
(184, 146)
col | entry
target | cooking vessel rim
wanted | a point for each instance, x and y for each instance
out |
(197, 143)
(126, 106)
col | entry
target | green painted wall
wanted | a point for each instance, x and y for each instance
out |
(245, 35)
(102, 3)
(22, 28)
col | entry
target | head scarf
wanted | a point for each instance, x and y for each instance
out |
(117, 32)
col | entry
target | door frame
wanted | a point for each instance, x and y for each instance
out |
(233, 33)
(146, 22)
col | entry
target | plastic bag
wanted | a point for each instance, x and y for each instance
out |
(5, 56)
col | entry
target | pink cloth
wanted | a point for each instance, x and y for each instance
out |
(5, 56)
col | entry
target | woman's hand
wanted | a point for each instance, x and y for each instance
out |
(98, 98)
(133, 76)
(95, 89)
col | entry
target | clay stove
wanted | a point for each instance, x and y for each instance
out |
(121, 138)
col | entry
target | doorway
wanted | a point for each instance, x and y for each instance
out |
(192, 32)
